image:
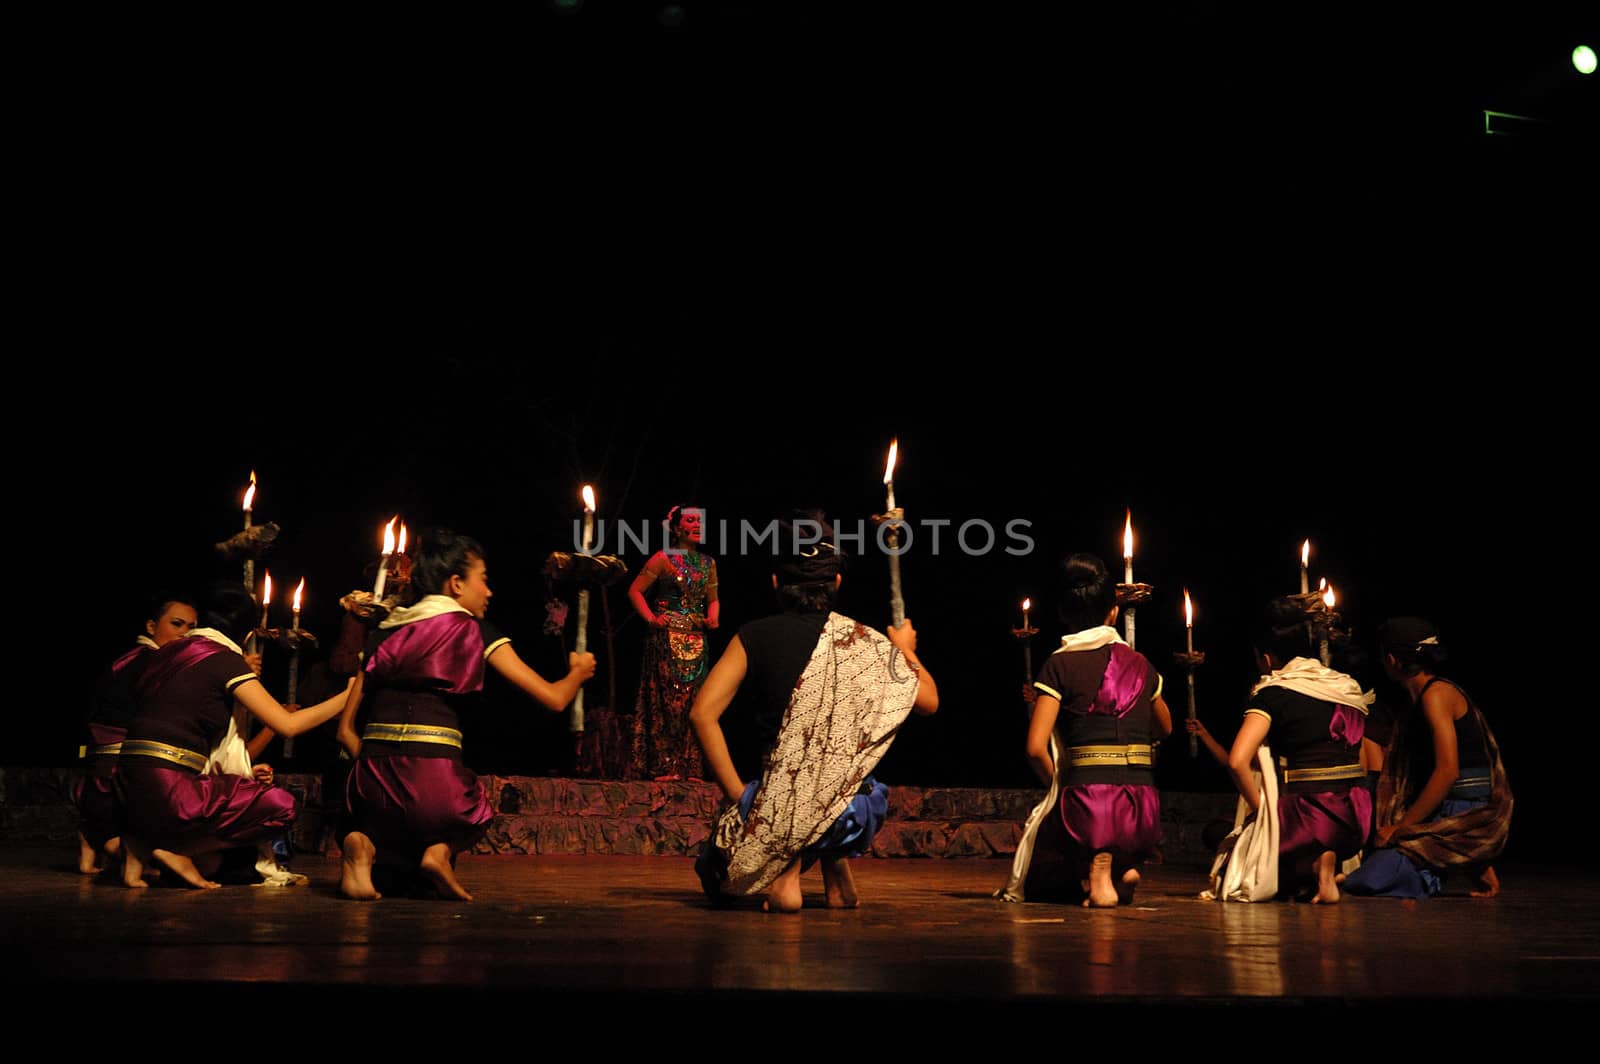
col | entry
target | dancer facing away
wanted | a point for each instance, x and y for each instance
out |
(1316, 717)
(1097, 713)
(828, 695)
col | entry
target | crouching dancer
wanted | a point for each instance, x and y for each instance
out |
(827, 696)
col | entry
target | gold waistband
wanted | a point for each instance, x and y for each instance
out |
(176, 754)
(97, 751)
(1330, 772)
(411, 733)
(1129, 754)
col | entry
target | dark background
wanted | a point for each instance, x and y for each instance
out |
(1256, 276)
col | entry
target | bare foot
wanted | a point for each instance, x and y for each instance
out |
(436, 866)
(1488, 883)
(183, 868)
(1327, 888)
(133, 864)
(1102, 895)
(355, 879)
(784, 894)
(88, 857)
(840, 884)
(1126, 886)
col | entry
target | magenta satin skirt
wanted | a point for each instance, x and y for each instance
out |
(178, 810)
(1308, 824)
(407, 804)
(1124, 819)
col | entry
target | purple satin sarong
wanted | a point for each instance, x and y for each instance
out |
(1121, 684)
(1122, 818)
(1348, 725)
(1312, 823)
(443, 654)
(410, 803)
(178, 810)
(173, 659)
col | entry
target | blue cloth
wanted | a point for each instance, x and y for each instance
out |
(852, 833)
(848, 836)
(1388, 873)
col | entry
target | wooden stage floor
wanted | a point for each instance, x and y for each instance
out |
(637, 930)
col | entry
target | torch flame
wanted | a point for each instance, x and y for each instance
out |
(1322, 583)
(1127, 537)
(402, 548)
(266, 589)
(1328, 597)
(298, 591)
(894, 453)
(1305, 554)
(388, 536)
(588, 498)
(250, 492)
(1188, 610)
(1027, 604)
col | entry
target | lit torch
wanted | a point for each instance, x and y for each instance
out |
(1027, 643)
(582, 641)
(294, 661)
(383, 562)
(249, 559)
(1127, 576)
(897, 602)
(1188, 642)
(1328, 600)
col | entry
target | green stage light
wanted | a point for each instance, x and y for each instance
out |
(1583, 59)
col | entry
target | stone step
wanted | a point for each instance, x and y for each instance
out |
(548, 815)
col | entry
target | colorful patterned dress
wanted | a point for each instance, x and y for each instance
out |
(675, 664)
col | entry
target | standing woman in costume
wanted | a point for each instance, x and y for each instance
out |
(1443, 799)
(410, 800)
(676, 594)
(176, 810)
(1316, 717)
(1097, 713)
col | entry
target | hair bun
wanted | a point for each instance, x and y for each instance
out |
(1082, 571)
